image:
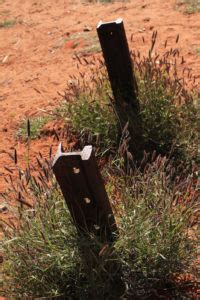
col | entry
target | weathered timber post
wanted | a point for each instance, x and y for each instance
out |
(80, 181)
(115, 49)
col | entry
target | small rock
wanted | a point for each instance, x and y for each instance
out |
(72, 82)
(66, 34)
(87, 28)
(5, 59)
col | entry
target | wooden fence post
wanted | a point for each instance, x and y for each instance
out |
(115, 49)
(80, 181)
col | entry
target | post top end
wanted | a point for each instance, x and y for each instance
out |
(86, 153)
(101, 23)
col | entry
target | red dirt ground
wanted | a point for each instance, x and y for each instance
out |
(36, 59)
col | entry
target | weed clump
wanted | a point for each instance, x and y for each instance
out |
(44, 255)
(168, 112)
(155, 216)
(190, 6)
(41, 246)
(88, 110)
(7, 23)
(36, 125)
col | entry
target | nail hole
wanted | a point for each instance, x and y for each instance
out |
(96, 227)
(87, 200)
(76, 170)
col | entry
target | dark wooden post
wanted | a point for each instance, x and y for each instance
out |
(115, 49)
(80, 181)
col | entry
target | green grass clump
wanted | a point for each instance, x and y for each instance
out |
(168, 109)
(190, 6)
(43, 252)
(88, 40)
(41, 248)
(169, 115)
(44, 255)
(36, 125)
(154, 242)
(91, 115)
(7, 23)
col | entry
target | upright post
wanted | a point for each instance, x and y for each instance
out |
(80, 181)
(115, 50)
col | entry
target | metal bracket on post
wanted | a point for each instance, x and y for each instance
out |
(115, 50)
(80, 181)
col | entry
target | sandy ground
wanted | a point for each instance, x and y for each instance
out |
(37, 52)
(36, 57)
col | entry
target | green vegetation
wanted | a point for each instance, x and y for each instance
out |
(91, 116)
(7, 23)
(153, 244)
(168, 111)
(88, 50)
(88, 40)
(155, 204)
(190, 6)
(44, 256)
(169, 115)
(36, 125)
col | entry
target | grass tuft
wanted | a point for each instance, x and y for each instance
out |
(7, 23)
(44, 256)
(168, 108)
(190, 6)
(88, 41)
(89, 112)
(154, 218)
(36, 125)
(169, 114)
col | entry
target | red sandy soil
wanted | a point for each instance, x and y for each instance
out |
(36, 60)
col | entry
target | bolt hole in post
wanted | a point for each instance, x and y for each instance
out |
(76, 170)
(87, 200)
(96, 227)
